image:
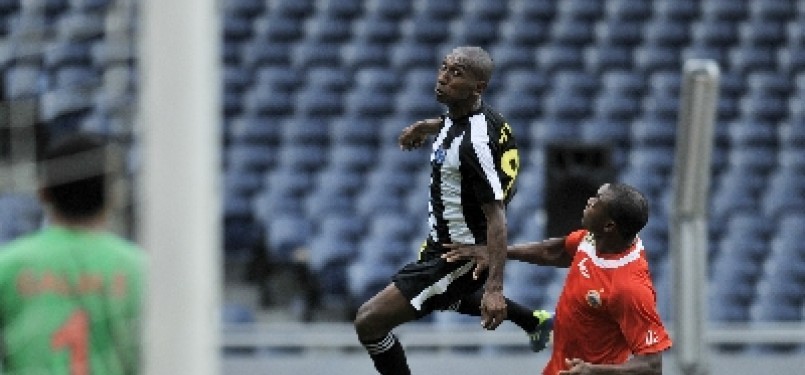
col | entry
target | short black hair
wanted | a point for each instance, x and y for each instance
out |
(628, 208)
(478, 60)
(73, 175)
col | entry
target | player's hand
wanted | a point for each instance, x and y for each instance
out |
(576, 366)
(478, 253)
(414, 135)
(493, 309)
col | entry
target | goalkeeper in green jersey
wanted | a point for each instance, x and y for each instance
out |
(70, 294)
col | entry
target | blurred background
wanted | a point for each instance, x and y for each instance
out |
(320, 206)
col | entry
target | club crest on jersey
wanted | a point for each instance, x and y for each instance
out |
(593, 298)
(439, 155)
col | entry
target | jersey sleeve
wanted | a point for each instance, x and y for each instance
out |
(573, 240)
(635, 311)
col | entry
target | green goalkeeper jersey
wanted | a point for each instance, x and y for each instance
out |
(70, 303)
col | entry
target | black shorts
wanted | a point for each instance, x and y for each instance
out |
(431, 283)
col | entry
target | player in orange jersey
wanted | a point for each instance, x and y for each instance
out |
(606, 319)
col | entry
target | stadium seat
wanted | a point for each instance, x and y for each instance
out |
(666, 32)
(773, 83)
(391, 181)
(473, 30)
(391, 226)
(653, 132)
(426, 29)
(760, 32)
(792, 158)
(771, 9)
(407, 54)
(662, 105)
(651, 58)
(312, 53)
(376, 29)
(619, 33)
(340, 9)
(327, 253)
(582, 9)
(518, 105)
(791, 135)
(353, 157)
(236, 28)
(79, 26)
(623, 83)
(318, 103)
(548, 131)
(763, 107)
(440, 9)
(388, 9)
(250, 157)
(602, 58)
(575, 82)
(725, 9)
(286, 234)
(234, 7)
(785, 194)
(67, 53)
(324, 28)
(616, 107)
(293, 8)
(748, 133)
(345, 181)
(676, 9)
(243, 182)
(24, 81)
(362, 54)
(488, 9)
(553, 57)
(746, 59)
(730, 199)
(519, 30)
(571, 31)
(277, 28)
(714, 33)
(257, 53)
(628, 10)
(380, 250)
(567, 106)
(376, 201)
(353, 131)
(367, 279)
(342, 226)
(305, 130)
(254, 130)
(377, 79)
(371, 104)
(416, 106)
(526, 80)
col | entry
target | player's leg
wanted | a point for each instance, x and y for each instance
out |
(537, 324)
(373, 324)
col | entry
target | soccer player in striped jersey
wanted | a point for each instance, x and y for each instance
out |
(70, 294)
(606, 318)
(474, 163)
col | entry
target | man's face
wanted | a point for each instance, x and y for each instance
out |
(455, 82)
(595, 216)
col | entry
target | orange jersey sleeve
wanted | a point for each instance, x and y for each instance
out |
(573, 240)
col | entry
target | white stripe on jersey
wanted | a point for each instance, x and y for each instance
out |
(480, 142)
(441, 286)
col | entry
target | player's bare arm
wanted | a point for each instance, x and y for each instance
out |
(414, 135)
(648, 364)
(493, 304)
(550, 252)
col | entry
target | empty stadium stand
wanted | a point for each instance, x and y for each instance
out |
(316, 92)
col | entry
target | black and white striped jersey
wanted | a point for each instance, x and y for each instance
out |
(474, 161)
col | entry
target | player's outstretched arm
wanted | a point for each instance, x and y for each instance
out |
(648, 364)
(414, 135)
(550, 252)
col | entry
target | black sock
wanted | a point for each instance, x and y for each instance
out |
(515, 312)
(388, 356)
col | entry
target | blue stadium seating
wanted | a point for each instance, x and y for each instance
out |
(320, 85)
